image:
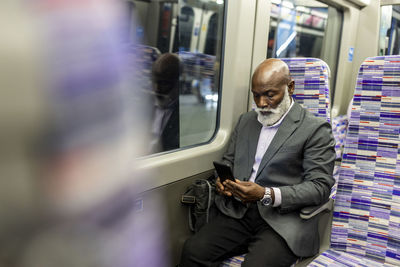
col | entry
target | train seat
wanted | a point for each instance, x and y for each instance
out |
(366, 216)
(311, 76)
(339, 130)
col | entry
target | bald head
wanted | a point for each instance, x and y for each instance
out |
(165, 76)
(271, 69)
(270, 81)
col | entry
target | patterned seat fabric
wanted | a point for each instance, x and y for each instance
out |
(366, 218)
(311, 76)
(339, 129)
(336, 177)
(233, 262)
(338, 258)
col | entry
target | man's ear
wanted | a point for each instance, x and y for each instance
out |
(291, 87)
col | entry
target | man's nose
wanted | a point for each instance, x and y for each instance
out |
(263, 102)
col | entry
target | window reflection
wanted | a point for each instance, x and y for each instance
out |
(165, 127)
(211, 41)
(297, 28)
(389, 30)
(186, 20)
(180, 50)
(310, 28)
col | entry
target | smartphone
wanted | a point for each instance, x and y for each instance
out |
(224, 171)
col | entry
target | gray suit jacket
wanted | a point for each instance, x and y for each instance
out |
(299, 161)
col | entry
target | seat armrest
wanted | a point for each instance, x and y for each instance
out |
(309, 212)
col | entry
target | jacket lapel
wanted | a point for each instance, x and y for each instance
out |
(253, 133)
(288, 126)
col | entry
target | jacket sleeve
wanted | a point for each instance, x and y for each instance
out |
(318, 163)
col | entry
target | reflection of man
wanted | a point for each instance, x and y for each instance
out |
(165, 128)
(282, 158)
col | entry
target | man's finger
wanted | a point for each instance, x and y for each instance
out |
(238, 187)
(221, 187)
(231, 186)
(219, 184)
(244, 183)
(241, 194)
(230, 183)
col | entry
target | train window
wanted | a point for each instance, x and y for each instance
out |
(301, 28)
(180, 44)
(389, 30)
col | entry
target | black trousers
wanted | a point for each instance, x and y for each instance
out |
(224, 237)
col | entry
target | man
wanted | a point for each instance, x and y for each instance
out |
(282, 158)
(165, 128)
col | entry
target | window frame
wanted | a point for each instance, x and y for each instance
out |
(171, 166)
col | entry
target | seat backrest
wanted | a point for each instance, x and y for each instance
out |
(311, 77)
(366, 216)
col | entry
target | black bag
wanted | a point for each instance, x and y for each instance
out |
(200, 198)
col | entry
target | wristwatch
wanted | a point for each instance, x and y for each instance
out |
(267, 199)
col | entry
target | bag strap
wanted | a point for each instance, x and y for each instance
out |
(191, 226)
(209, 199)
(188, 199)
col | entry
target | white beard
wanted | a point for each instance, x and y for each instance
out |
(274, 114)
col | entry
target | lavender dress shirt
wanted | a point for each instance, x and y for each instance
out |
(267, 133)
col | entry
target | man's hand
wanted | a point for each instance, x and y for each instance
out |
(245, 191)
(221, 189)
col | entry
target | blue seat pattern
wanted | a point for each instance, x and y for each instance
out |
(339, 130)
(311, 76)
(336, 177)
(234, 261)
(366, 218)
(338, 258)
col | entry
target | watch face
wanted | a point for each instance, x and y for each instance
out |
(266, 201)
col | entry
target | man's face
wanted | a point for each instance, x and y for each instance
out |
(268, 95)
(165, 92)
(272, 97)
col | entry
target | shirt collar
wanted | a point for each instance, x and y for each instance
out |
(278, 123)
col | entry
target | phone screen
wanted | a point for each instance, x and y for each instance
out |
(224, 171)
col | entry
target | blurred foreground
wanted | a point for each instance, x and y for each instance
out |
(69, 119)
